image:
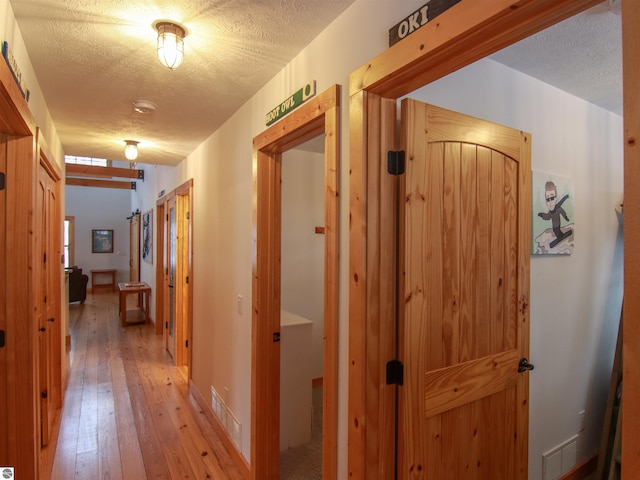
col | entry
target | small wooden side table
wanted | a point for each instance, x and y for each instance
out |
(110, 285)
(139, 315)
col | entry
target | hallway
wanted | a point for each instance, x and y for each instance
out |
(127, 412)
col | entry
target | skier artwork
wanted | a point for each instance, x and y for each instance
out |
(553, 227)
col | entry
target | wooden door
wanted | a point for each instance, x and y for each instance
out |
(463, 409)
(134, 248)
(45, 301)
(183, 284)
(4, 384)
(172, 235)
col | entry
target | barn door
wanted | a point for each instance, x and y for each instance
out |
(464, 317)
(134, 248)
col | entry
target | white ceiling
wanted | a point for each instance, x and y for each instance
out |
(93, 59)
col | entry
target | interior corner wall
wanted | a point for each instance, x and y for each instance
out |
(100, 209)
(576, 299)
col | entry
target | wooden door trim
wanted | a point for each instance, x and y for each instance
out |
(54, 171)
(185, 189)
(319, 115)
(21, 334)
(465, 33)
(184, 300)
(20, 446)
(631, 329)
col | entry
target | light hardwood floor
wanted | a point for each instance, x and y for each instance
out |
(127, 412)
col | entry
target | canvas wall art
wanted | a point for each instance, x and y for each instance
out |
(553, 226)
(147, 236)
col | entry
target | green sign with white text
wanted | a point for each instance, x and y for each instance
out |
(292, 102)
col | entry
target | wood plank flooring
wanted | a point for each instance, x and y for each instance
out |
(127, 412)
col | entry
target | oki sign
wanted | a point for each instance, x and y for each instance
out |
(418, 19)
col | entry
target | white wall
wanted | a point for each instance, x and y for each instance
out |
(302, 257)
(574, 300)
(100, 209)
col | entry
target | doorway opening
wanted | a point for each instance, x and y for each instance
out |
(319, 116)
(302, 307)
(459, 37)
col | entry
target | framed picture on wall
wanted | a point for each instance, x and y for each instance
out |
(147, 236)
(553, 224)
(101, 241)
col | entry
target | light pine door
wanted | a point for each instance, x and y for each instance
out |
(48, 323)
(464, 316)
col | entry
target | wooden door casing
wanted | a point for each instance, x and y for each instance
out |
(463, 408)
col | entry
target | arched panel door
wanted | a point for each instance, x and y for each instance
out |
(464, 320)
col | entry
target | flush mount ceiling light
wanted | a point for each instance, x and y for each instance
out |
(131, 150)
(144, 106)
(170, 44)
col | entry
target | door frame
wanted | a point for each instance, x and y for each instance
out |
(467, 32)
(184, 318)
(320, 115)
(49, 273)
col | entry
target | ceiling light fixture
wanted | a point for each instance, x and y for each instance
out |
(170, 44)
(131, 150)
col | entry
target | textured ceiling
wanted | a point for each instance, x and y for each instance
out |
(582, 56)
(95, 58)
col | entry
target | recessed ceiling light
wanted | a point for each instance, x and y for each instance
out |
(144, 106)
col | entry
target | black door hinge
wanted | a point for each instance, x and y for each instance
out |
(188, 216)
(2, 339)
(186, 344)
(395, 372)
(166, 324)
(187, 280)
(395, 162)
(1, 180)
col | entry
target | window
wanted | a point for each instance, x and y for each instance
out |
(68, 242)
(96, 162)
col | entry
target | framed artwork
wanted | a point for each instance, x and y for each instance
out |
(147, 236)
(101, 241)
(553, 224)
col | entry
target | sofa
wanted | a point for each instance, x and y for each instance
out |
(77, 285)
